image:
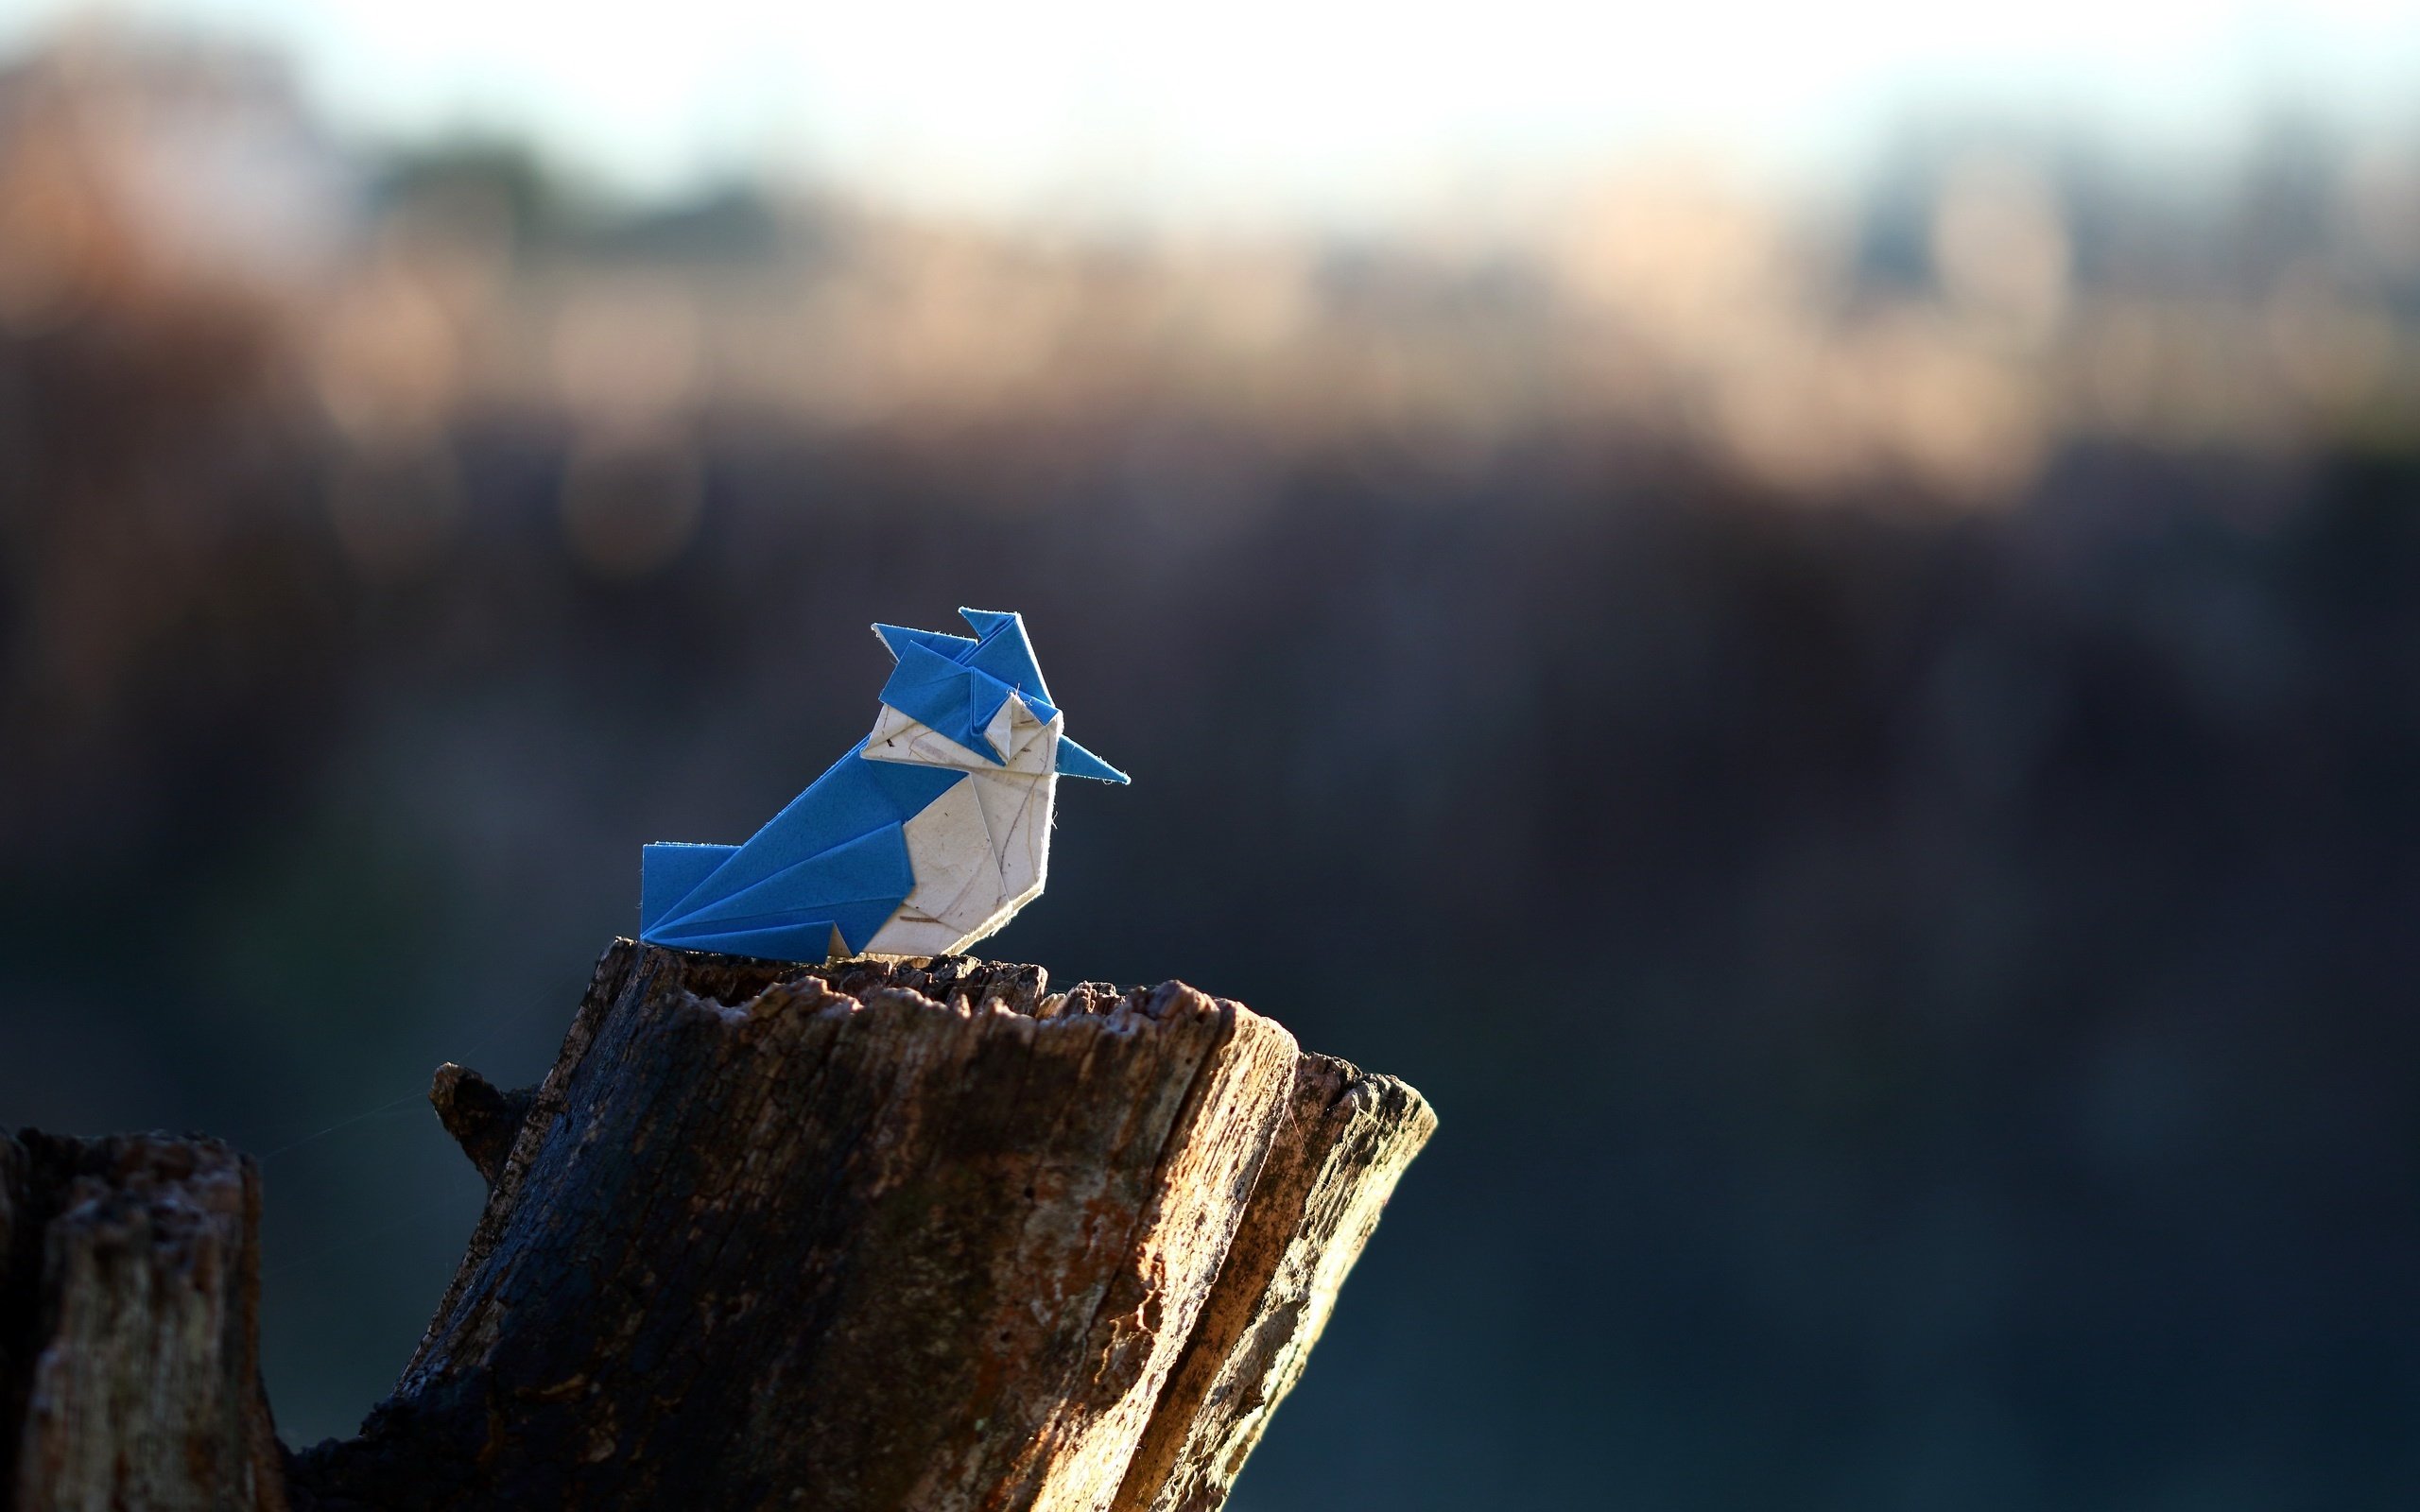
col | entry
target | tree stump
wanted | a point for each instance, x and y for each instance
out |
(874, 1235)
(129, 1369)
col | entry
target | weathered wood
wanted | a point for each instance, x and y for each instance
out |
(128, 1328)
(1346, 1140)
(878, 1236)
(482, 1119)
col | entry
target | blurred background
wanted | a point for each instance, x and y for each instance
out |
(1808, 621)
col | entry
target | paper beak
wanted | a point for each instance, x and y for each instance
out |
(1074, 761)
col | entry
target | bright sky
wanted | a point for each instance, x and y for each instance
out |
(1340, 109)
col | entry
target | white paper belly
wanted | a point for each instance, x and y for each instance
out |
(980, 852)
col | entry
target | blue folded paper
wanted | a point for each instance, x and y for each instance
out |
(930, 834)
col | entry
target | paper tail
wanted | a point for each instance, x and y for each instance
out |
(670, 871)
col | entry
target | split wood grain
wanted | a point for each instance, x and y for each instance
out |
(1347, 1139)
(877, 1236)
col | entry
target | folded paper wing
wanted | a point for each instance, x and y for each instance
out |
(930, 834)
(835, 859)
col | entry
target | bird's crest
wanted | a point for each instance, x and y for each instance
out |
(956, 684)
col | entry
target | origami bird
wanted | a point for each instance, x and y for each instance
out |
(930, 834)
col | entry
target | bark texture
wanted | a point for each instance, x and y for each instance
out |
(1347, 1137)
(129, 1371)
(869, 1237)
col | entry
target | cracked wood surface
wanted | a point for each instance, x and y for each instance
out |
(1347, 1137)
(874, 1236)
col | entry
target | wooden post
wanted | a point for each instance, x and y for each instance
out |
(880, 1235)
(129, 1370)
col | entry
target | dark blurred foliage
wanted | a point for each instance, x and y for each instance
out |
(1917, 983)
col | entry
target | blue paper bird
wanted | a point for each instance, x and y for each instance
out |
(930, 834)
